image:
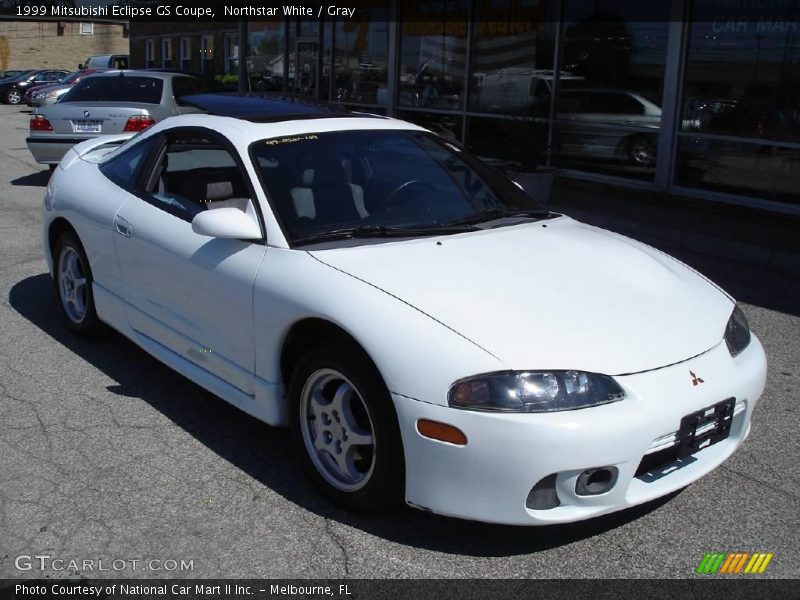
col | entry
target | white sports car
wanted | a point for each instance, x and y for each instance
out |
(424, 327)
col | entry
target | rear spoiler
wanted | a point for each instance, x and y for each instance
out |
(85, 148)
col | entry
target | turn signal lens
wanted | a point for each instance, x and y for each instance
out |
(139, 123)
(442, 432)
(40, 123)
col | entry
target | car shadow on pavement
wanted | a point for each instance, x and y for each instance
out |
(265, 453)
(38, 179)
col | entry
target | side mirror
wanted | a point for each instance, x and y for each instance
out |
(81, 66)
(226, 223)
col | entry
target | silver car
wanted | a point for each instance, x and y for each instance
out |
(608, 125)
(111, 102)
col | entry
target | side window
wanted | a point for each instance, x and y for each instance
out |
(197, 173)
(124, 169)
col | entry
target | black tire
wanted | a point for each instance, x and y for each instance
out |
(52, 167)
(86, 324)
(14, 97)
(641, 151)
(386, 481)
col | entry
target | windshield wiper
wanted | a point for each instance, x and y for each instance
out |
(493, 214)
(377, 231)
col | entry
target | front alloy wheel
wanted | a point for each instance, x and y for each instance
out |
(337, 430)
(344, 427)
(13, 97)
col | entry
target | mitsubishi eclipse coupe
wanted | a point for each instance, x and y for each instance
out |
(426, 329)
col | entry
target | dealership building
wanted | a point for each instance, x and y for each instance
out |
(698, 98)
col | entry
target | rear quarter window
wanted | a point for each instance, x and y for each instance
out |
(124, 168)
(146, 90)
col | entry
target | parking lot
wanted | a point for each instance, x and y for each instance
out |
(107, 454)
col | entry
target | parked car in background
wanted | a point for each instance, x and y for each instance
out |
(12, 91)
(8, 74)
(49, 94)
(107, 103)
(592, 121)
(106, 61)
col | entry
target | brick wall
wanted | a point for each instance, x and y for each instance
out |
(56, 44)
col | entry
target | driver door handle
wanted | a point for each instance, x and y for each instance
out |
(122, 227)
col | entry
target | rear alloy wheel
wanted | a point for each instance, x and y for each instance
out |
(13, 96)
(73, 281)
(345, 427)
(641, 151)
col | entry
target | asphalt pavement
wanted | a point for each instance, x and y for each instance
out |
(107, 455)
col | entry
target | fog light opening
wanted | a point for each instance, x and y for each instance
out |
(543, 495)
(593, 482)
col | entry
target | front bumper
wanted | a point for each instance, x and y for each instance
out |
(50, 149)
(490, 478)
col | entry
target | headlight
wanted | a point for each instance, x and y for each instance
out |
(737, 332)
(534, 391)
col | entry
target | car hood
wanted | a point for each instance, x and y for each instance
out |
(50, 87)
(551, 295)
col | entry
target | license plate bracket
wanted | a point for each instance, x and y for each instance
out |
(705, 427)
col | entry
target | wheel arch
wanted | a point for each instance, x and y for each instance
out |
(58, 227)
(307, 333)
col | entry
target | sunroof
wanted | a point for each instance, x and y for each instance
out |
(262, 107)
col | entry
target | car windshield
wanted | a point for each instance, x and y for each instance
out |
(372, 183)
(118, 88)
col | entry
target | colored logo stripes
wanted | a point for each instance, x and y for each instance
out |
(729, 563)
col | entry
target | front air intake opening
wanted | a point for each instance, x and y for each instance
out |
(543, 495)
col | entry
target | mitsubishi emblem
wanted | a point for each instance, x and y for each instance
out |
(86, 113)
(695, 379)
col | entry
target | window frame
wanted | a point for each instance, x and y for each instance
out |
(137, 180)
(166, 56)
(231, 41)
(148, 171)
(205, 48)
(149, 53)
(186, 52)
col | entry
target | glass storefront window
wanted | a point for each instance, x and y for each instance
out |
(512, 58)
(433, 54)
(765, 171)
(448, 126)
(265, 60)
(511, 144)
(743, 75)
(608, 109)
(361, 58)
